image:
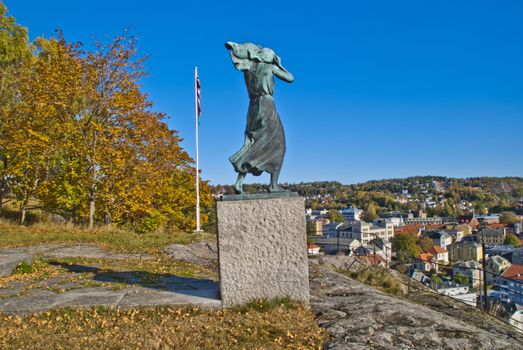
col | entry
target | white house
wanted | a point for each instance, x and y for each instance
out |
(351, 214)
(452, 288)
(366, 232)
(440, 238)
(440, 254)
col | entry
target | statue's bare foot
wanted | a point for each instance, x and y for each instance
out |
(238, 188)
(273, 189)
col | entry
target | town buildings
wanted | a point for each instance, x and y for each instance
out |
(432, 220)
(366, 232)
(465, 251)
(512, 283)
(351, 214)
(439, 238)
(496, 266)
(451, 288)
(470, 269)
(492, 236)
(441, 254)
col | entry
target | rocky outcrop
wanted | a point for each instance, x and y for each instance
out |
(360, 317)
(200, 253)
(9, 262)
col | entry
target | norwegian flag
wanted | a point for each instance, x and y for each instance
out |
(198, 96)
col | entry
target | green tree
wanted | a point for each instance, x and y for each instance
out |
(436, 279)
(461, 279)
(370, 213)
(508, 218)
(406, 246)
(425, 243)
(512, 239)
(334, 216)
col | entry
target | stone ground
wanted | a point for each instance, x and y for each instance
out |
(356, 316)
(88, 285)
(360, 317)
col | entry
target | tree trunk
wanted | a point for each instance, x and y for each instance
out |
(92, 199)
(22, 211)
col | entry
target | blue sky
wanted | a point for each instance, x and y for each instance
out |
(383, 88)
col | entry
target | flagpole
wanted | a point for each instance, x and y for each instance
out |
(197, 160)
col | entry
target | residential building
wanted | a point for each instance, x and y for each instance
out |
(512, 283)
(421, 277)
(495, 266)
(318, 224)
(451, 288)
(334, 246)
(488, 219)
(432, 220)
(373, 259)
(457, 235)
(517, 256)
(313, 249)
(470, 269)
(518, 228)
(351, 214)
(365, 232)
(396, 214)
(465, 251)
(331, 229)
(440, 238)
(492, 236)
(505, 251)
(440, 254)
(469, 219)
(411, 230)
(426, 262)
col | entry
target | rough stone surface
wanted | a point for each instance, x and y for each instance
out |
(102, 296)
(201, 253)
(360, 317)
(75, 251)
(9, 261)
(262, 247)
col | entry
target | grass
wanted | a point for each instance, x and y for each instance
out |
(377, 277)
(14, 235)
(261, 325)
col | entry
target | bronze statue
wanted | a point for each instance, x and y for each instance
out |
(264, 147)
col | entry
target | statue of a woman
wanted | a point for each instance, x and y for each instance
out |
(264, 146)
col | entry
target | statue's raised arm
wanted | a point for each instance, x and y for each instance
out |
(264, 146)
(281, 72)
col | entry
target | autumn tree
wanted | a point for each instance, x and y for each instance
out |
(425, 243)
(14, 52)
(512, 239)
(406, 247)
(81, 137)
(370, 214)
(509, 218)
(335, 216)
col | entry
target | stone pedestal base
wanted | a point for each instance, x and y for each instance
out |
(262, 247)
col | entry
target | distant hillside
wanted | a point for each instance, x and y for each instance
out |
(436, 194)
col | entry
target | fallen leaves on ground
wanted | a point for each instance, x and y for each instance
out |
(279, 326)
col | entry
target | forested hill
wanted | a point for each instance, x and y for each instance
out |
(484, 194)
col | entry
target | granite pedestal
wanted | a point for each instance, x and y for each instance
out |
(262, 248)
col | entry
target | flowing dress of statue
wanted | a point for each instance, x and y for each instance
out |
(264, 147)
